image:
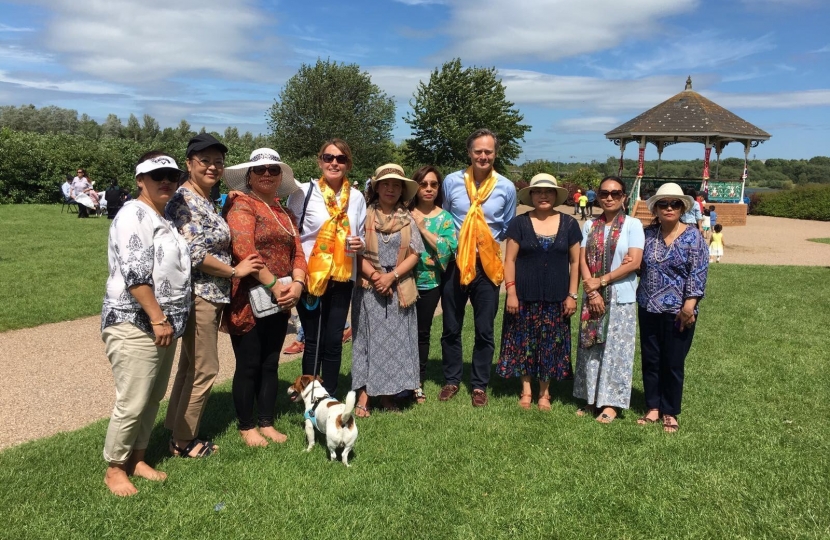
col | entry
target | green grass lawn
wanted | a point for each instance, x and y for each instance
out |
(751, 459)
(53, 266)
(820, 240)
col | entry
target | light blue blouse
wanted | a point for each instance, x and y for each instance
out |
(631, 236)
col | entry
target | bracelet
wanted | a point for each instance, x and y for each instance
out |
(233, 272)
(509, 284)
(161, 322)
(270, 285)
(300, 281)
(395, 273)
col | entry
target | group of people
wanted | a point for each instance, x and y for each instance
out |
(178, 269)
(79, 190)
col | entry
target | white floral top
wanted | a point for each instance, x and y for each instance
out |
(145, 248)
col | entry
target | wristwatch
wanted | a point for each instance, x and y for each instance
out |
(603, 282)
(573, 295)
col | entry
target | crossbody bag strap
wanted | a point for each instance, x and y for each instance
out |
(305, 206)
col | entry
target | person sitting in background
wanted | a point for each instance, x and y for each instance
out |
(66, 188)
(81, 184)
(114, 197)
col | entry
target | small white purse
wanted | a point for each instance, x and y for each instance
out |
(262, 299)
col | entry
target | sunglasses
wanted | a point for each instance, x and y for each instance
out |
(206, 163)
(160, 175)
(674, 205)
(433, 185)
(342, 159)
(275, 170)
(615, 194)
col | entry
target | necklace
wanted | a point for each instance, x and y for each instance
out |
(290, 233)
(668, 251)
(386, 237)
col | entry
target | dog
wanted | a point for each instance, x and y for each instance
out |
(330, 417)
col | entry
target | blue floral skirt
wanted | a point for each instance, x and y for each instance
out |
(536, 341)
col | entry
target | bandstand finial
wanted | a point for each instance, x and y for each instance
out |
(689, 83)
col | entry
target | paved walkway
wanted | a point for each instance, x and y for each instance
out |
(51, 385)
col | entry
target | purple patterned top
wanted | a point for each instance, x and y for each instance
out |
(670, 275)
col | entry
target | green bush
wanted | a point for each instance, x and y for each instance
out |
(802, 202)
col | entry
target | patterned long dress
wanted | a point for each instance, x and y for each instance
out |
(385, 349)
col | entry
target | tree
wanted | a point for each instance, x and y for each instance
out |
(329, 100)
(112, 127)
(150, 129)
(454, 103)
(133, 129)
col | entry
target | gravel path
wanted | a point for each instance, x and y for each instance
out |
(81, 388)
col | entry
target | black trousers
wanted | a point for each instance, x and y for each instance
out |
(484, 297)
(83, 211)
(257, 361)
(663, 349)
(425, 309)
(330, 322)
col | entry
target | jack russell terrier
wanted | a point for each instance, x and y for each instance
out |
(330, 417)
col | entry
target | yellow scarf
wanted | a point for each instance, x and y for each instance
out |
(476, 234)
(328, 256)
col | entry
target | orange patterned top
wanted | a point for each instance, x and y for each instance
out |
(253, 230)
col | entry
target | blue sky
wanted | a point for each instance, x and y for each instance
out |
(575, 69)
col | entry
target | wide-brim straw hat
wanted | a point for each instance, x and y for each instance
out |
(392, 171)
(236, 176)
(543, 180)
(670, 190)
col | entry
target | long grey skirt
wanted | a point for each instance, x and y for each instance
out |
(603, 372)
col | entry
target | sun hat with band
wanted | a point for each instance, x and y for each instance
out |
(670, 191)
(155, 163)
(543, 180)
(236, 177)
(390, 171)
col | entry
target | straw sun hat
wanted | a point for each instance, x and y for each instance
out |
(670, 191)
(236, 176)
(390, 171)
(543, 180)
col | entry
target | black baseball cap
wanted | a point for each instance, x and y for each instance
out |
(202, 141)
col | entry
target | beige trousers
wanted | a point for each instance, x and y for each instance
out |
(141, 371)
(197, 369)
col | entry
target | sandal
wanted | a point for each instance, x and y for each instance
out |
(525, 400)
(586, 410)
(420, 397)
(670, 424)
(361, 411)
(207, 449)
(544, 402)
(644, 420)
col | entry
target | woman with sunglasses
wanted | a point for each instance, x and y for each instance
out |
(145, 310)
(611, 252)
(192, 211)
(261, 226)
(672, 282)
(438, 233)
(330, 218)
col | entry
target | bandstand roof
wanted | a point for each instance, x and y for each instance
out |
(688, 117)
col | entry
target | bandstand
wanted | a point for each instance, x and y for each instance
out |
(690, 117)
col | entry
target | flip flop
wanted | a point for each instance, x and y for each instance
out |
(361, 411)
(207, 449)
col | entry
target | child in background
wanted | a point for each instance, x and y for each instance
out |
(716, 244)
(713, 216)
(707, 225)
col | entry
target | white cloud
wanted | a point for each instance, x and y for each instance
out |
(69, 86)
(825, 49)
(772, 100)
(19, 54)
(587, 124)
(130, 42)
(7, 28)
(489, 30)
(420, 2)
(398, 82)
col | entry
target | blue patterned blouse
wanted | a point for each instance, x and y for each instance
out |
(206, 233)
(671, 274)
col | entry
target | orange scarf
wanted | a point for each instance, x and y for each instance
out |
(476, 235)
(328, 256)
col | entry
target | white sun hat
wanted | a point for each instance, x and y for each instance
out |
(236, 176)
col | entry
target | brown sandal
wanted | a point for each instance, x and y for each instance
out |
(645, 420)
(670, 424)
(525, 403)
(361, 412)
(544, 402)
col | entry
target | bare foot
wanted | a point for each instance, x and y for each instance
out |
(273, 434)
(117, 481)
(252, 437)
(143, 470)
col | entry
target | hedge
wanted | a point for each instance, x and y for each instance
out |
(804, 202)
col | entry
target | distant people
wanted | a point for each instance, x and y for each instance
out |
(576, 197)
(611, 253)
(145, 310)
(81, 186)
(693, 216)
(440, 242)
(66, 189)
(115, 198)
(713, 216)
(672, 283)
(482, 204)
(706, 225)
(541, 271)
(716, 244)
(583, 206)
(592, 199)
